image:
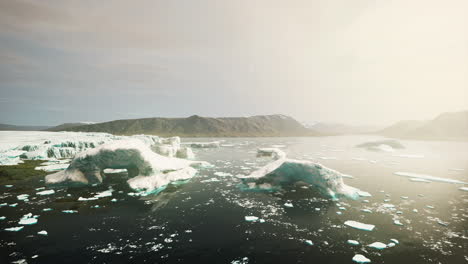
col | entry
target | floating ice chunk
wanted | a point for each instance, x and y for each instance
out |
(14, 229)
(53, 167)
(13, 205)
(288, 205)
(419, 180)
(397, 222)
(358, 258)
(8, 186)
(386, 205)
(404, 197)
(395, 241)
(81, 199)
(463, 189)
(428, 177)
(275, 153)
(42, 233)
(69, 211)
(309, 242)
(383, 145)
(442, 223)
(285, 172)
(28, 219)
(364, 194)
(366, 210)
(352, 242)
(211, 180)
(114, 171)
(2, 217)
(159, 181)
(3, 204)
(378, 245)
(213, 144)
(222, 174)
(22, 197)
(244, 260)
(347, 176)
(47, 192)
(430, 206)
(251, 218)
(339, 213)
(391, 244)
(114, 200)
(360, 226)
(415, 210)
(47, 209)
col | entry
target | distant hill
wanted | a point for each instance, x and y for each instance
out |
(197, 126)
(64, 126)
(447, 126)
(4, 127)
(341, 129)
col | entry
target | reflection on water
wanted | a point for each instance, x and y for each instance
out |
(204, 219)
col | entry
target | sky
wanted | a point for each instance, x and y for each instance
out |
(371, 62)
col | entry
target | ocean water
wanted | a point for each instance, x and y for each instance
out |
(203, 220)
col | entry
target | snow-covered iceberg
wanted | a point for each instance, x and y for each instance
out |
(382, 145)
(149, 169)
(275, 153)
(283, 172)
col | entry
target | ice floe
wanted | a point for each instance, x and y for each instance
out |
(42, 233)
(28, 219)
(46, 192)
(377, 245)
(360, 226)
(428, 177)
(352, 242)
(14, 229)
(275, 153)
(213, 144)
(358, 258)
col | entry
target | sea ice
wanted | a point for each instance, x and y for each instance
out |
(378, 245)
(28, 219)
(352, 242)
(275, 153)
(14, 229)
(428, 177)
(22, 197)
(222, 174)
(358, 258)
(213, 144)
(360, 226)
(251, 218)
(47, 192)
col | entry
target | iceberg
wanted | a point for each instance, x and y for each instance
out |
(148, 169)
(360, 226)
(288, 172)
(275, 153)
(382, 145)
(428, 177)
(213, 144)
(358, 258)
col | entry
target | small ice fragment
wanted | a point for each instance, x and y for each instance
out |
(42, 233)
(309, 242)
(22, 197)
(317, 209)
(463, 189)
(288, 205)
(35, 256)
(342, 208)
(415, 210)
(366, 210)
(404, 197)
(419, 180)
(377, 245)
(339, 213)
(114, 200)
(28, 219)
(261, 220)
(13, 205)
(352, 242)
(397, 222)
(47, 192)
(251, 218)
(47, 209)
(81, 199)
(14, 229)
(222, 174)
(391, 244)
(3, 204)
(442, 223)
(360, 226)
(430, 206)
(395, 241)
(358, 258)
(385, 205)
(69, 211)
(365, 201)
(428, 177)
(364, 194)
(8, 186)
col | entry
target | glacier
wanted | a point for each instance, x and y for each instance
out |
(283, 172)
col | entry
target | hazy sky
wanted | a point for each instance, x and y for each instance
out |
(359, 61)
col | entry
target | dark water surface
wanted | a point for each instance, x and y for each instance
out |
(202, 221)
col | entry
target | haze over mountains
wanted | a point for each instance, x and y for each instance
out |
(447, 126)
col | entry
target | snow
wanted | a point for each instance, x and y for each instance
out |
(149, 170)
(360, 226)
(361, 259)
(46, 192)
(428, 177)
(378, 245)
(288, 171)
(275, 153)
